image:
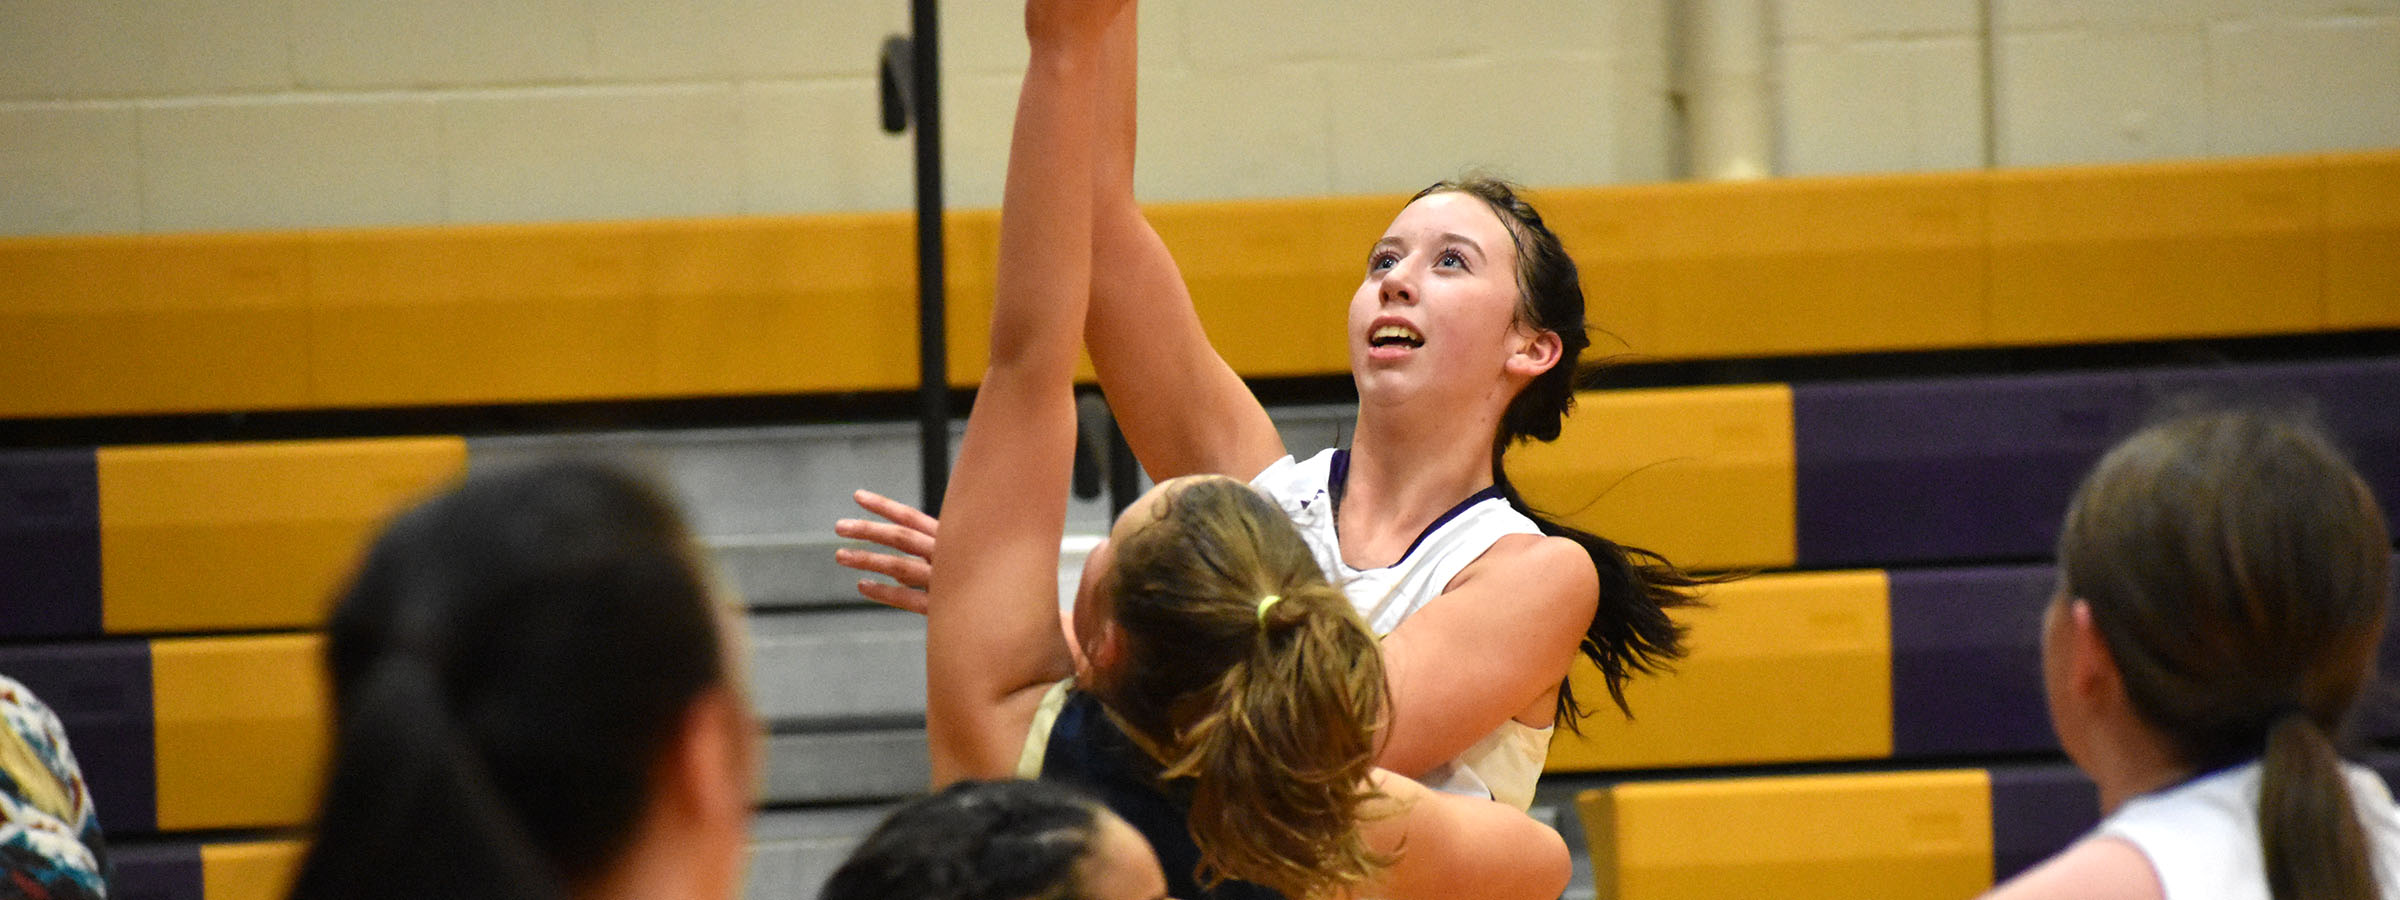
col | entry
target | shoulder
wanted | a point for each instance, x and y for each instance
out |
(1527, 590)
(1540, 568)
(2095, 868)
(1289, 472)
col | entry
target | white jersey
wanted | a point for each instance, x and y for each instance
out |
(1507, 762)
(2201, 837)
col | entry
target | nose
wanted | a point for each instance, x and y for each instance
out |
(1399, 284)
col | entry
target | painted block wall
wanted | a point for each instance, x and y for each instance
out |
(1876, 87)
(136, 116)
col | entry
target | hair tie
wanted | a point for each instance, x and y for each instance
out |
(1265, 603)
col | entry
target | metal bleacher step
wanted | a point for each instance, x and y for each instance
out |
(793, 851)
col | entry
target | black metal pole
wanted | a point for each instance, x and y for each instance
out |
(933, 362)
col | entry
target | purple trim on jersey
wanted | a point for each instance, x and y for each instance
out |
(1338, 473)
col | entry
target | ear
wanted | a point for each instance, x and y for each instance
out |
(1107, 650)
(714, 765)
(2092, 669)
(1535, 354)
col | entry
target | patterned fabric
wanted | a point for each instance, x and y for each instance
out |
(50, 846)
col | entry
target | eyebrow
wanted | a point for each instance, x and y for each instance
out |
(1447, 237)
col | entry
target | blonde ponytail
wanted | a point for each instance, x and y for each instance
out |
(1263, 712)
(1279, 764)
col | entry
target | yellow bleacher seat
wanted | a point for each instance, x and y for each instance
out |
(1894, 835)
(2156, 251)
(1783, 668)
(241, 730)
(1704, 476)
(2362, 240)
(245, 536)
(341, 318)
(261, 870)
(1797, 266)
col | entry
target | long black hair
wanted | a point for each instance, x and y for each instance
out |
(1631, 630)
(975, 840)
(507, 665)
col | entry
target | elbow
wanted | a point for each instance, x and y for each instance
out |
(1547, 866)
(1412, 760)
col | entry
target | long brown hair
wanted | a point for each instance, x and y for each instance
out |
(1253, 682)
(1631, 631)
(2237, 568)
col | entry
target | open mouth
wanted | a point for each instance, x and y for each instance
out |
(1395, 336)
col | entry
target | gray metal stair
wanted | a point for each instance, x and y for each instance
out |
(839, 682)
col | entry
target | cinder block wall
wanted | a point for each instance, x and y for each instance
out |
(143, 116)
(1870, 86)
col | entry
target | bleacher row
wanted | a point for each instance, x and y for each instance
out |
(1865, 715)
(361, 318)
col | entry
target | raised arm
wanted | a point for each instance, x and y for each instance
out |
(1183, 410)
(992, 639)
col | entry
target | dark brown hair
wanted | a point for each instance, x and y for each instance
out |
(1267, 711)
(2237, 569)
(1631, 631)
(507, 667)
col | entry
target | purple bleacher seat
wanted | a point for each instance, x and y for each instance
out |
(1981, 469)
(1966, 661)
(49, 544)
(155, 872)
(1949, 469)
(2037, 810)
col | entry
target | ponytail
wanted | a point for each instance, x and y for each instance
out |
(1254, 685)
(2314, 847)
(1279, 763)
(1631, 632)
(413, 812)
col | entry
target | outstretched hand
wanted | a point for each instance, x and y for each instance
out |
(905, 529)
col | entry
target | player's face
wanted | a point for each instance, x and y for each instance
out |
(1095, 601)
(1437, 309)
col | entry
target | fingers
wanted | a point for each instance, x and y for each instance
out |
(909, 531)
(908, 570)
(903, 539)
(899, 513)
(895, 596)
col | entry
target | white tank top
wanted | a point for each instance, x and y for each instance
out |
(1506, 763)
(2201, 837)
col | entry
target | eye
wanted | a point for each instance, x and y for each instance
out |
(1381, 260)
(1452, 258)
